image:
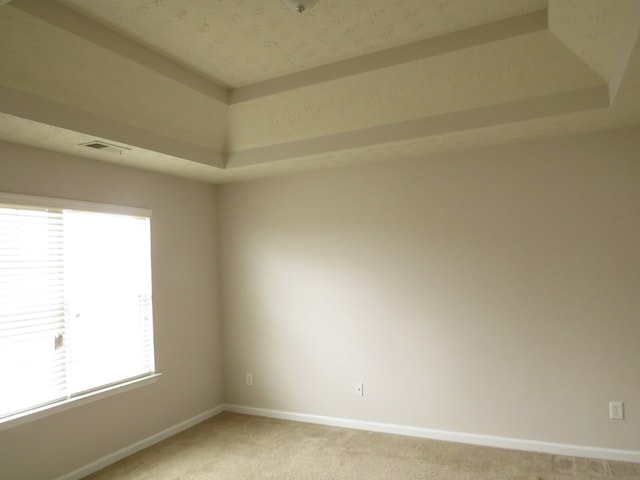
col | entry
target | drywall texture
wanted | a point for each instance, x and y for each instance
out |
(240, 43)
(593, 29)
(489, 74)
(185, 314)
(492, 291)
(40, 59)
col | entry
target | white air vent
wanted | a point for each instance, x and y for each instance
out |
(104, 146)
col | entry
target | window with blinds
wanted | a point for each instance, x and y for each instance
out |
(75, 300)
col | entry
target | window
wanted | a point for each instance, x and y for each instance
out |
(75, 300)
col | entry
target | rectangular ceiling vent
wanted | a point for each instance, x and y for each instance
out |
(104, 146)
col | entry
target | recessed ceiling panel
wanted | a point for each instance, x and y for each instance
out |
(239, 42)
(40, 59)
(110, 70)
(527, 66)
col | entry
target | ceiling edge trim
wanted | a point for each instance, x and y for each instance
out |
(89, 30)
(176, 167)
(490, 32)
(49, 112)
(76, 24)
(510, 112)
(629, 41)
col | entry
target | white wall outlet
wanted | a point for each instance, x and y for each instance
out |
(248, 379)
(357, 389)
(616, 410)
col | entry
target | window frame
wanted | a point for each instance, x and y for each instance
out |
(83, 398)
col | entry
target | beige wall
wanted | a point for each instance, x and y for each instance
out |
(185, 311)
(493, 291)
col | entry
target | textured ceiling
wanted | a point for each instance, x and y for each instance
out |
(239, 42)
(51, 62)
(229, 90)
(592, 29)
(466, 79)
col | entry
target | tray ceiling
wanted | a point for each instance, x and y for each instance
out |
(226, 90)
(240, 42)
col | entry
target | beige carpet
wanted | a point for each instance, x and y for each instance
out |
(240, 447)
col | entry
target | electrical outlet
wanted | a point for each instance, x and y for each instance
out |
(616, 410)
(248, 379)
(357, 389)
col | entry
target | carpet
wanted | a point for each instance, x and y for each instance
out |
(233, 447)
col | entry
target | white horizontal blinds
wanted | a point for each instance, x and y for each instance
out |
(32, 357)
(109, 325)
(75, 300)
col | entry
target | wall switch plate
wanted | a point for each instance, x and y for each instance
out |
(357, 389)
(616, 410)
(249, 379)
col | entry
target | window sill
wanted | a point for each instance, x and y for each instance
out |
(57, 407)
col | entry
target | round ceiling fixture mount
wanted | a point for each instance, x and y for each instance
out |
(300, 5)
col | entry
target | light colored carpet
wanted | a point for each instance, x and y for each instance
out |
(240, 447)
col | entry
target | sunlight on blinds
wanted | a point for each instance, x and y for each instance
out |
(75, 303)
(32, 370)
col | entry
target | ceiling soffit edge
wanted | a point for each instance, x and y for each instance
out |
(218, 163)
(49, 112)
(92, 31)
(443, 44)
(509, 112)
(88, 29)
(629, 42)
(28, 134)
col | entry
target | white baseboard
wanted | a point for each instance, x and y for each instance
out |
(460, 437)
(141, 445)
